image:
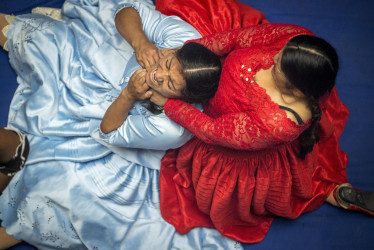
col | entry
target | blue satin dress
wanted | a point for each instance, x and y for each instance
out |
(80, 188)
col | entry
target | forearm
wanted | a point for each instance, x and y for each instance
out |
(236, 130)
(117, 112)
(129, 25)
(259, 35)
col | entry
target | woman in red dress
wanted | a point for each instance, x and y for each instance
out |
(267, 143)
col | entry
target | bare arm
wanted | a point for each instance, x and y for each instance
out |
(129, 25)
(118, 111)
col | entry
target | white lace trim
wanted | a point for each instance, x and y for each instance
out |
(10, 18)
(5, 30)
(51, 12)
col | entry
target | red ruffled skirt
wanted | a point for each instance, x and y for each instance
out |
(240, 192)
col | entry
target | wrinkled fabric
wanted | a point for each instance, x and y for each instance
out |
(211, 16)
(82, 189)
(240, 192)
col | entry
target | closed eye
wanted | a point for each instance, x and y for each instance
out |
(168, 66)
(170, 81)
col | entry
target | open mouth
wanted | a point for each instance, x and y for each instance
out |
(152, 76)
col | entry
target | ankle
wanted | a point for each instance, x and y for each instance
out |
(8, 146)
(15, 149)
(335, 196)
(5, 20)
(351, 198)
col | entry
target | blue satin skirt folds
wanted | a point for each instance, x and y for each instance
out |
(80, 188)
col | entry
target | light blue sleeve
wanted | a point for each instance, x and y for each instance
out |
(142, 139)
(163, 31)
(141, 129)
(148, 131)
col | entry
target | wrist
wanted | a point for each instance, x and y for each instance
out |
(139, 43)
(169, 104)
(126, 95)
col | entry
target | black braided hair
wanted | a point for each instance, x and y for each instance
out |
(310, 136)
(310, 64)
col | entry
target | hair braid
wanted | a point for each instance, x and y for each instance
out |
(311, 65)
(310, 136)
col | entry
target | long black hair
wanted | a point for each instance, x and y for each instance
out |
(201, 69)
(310, 64)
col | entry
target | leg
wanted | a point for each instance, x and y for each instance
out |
(9, 142)
(14, 149)
(3, 23)
(331, 200)
(4, 181)
(5, 20)
(7, 240)
(348, 197)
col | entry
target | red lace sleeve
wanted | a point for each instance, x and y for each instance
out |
(257, 127)
(239, 130)
(258, 35)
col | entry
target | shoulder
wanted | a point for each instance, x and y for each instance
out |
(300, 109)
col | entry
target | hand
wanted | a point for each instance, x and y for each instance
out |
(166, 51)
(158, 99)
(137, 88)
(147, 55)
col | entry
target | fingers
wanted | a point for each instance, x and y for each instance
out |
(152, 60)
(147, 60)
(137, 86)
(165, 52)
(160, 55)
(139, 73)
(137, 80)
(148, 94)
(147, 55)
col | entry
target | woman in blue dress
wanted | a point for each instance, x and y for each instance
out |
(86, 185)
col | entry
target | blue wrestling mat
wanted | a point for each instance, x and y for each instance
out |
(349, 26)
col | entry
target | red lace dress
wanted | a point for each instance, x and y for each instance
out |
(242, 168)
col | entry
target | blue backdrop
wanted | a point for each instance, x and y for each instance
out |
(349, 26)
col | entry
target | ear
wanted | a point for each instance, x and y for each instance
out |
(297, 92)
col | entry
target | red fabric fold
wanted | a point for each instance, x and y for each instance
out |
(211, 16)
(271, 184)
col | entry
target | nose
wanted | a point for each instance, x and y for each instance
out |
(161, 74)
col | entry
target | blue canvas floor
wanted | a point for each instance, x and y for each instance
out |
(349, 26)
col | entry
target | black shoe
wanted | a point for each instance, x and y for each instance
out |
(355, 199)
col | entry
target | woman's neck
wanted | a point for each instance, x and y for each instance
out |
(282, 94)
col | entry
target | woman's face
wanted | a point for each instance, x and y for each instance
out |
(166, 78)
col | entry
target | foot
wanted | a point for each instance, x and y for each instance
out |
(3, 24)
(353, 199)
